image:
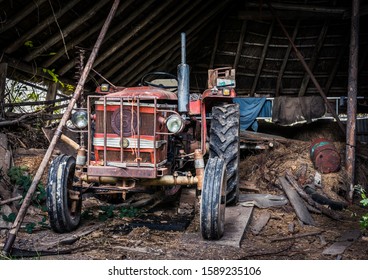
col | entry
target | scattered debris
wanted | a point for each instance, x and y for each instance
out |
(260, 223)
(342, 243)
(297, 236)
(297, 202)
(263, 200)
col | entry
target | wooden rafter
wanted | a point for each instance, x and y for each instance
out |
(66, 31)
(314, 58)
(286, 58)
(141, 42)
(39, 27)
(147, 20)
(21, 15)
(335, 67)
(165, 46)
(215, 45)
(240, 44)
(93, 30)
(262, 59)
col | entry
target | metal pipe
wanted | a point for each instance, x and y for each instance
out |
(352, 97)
(170, 180)
(183, 80)
(27, 200)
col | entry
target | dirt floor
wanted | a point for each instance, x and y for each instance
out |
(160, 232)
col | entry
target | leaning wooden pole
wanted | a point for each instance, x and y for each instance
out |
(352, 97)
(308, 70)
(27, 200)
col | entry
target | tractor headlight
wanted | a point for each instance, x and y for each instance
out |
(80, 119)
(174, 123)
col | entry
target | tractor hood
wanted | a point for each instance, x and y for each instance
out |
(145, 91)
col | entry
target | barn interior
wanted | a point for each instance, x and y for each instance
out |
(280, 50)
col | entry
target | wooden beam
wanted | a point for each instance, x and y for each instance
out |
(127, 36)
(314, 57)
(215, 46)
(286, 58)
(336, 65)
(141, 42)
(66, 31)
(262, 58)
(174, 43)
(31, 69)
(287, 15)
(3, 74)
(24, 12)
(240, 44)
(352, 97)
(39, 27)
(305, 65)
(164, 45)
(91, 31)
(301, 7)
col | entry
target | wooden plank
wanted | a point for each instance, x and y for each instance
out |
(297, 202)
(237, 219)
(260, 223)
(262, 59)
(343, 242)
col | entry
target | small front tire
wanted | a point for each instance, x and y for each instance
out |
(213, 199)
(64, 212)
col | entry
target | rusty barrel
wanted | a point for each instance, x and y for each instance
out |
(325, 156)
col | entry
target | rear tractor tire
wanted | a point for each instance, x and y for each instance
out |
(213, 199)
(224, 143)
(63, 203)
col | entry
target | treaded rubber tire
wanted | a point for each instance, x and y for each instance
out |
(213, 199)
(60, 179)
(224, 143)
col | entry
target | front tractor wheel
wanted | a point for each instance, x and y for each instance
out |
(63, 202)
(213, 199)
(224, 143)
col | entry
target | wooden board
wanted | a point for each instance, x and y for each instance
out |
(343, 242)
(297, 202)
(260, 223)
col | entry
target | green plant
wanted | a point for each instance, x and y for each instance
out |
(106, 212)
(128, 212)
(364, 219)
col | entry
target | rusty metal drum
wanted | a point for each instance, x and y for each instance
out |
(324, 155)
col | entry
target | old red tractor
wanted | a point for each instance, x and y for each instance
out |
(153, 138)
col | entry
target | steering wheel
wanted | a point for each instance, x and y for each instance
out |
(164, 75)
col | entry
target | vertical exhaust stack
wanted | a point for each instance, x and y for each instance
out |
(183, 80)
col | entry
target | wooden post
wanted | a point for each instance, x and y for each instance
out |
(3, 74)
(263, 56)
(27, 200)
(352, 97)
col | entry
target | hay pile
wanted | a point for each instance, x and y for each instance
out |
(262, 168)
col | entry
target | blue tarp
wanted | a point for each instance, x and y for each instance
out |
(250, 109)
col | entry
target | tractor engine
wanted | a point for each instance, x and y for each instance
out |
(131, 132)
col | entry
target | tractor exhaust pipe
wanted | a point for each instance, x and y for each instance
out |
(183, 80)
